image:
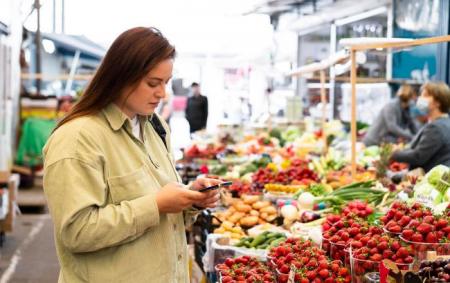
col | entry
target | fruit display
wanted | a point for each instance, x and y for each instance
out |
(306, 262)
(244, 269)
(398, 166)
(435, 271)
(241, 188)
(265, 240)
(416, 223)
(343, 177)
(246, 212)
(280, 188)
(292, 176)
(208, 151)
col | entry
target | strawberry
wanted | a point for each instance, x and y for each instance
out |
(418, 238)
(431, 238)
(407, 234)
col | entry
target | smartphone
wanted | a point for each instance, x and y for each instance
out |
(215, 187)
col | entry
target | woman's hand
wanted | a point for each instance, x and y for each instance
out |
(174, 198)
(211, 197)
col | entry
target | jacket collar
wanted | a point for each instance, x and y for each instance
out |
(116, 118)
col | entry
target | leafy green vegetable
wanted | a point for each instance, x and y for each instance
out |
(435, 175)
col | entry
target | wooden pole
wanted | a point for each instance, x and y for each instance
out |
(323, 100)
(353, 111)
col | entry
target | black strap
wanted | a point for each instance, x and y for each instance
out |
(156, 124)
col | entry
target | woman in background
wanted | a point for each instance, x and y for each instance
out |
(431, 146)
(394, 123)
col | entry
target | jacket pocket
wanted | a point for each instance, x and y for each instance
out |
(133, 185)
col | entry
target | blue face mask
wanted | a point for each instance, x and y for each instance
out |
(422, 106)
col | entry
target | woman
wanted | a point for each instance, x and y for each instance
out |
(394, 123)
(117, 203)
(431, 146)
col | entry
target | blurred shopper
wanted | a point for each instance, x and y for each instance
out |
(431, 146)
(197, 109)
(116, 200)
(394, 123)
(165, 107)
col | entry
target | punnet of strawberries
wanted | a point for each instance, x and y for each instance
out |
(353, 210)
(417, 223)
(306, 262)
(245, 269)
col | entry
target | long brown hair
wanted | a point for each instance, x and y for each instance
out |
(129, 59)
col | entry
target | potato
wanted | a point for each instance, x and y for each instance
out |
(269, 209)
(219, 230)
(236, 236)
(249, 199)
(231, 209)
(237, 230)
(249, 221)
(264, 215)
(271, 217)
(243, 208)
(261, 221)
(227, 225)
(254, 212)
(236, 216)
(260, 204)
(215, 221)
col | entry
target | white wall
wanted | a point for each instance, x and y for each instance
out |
(9, 94)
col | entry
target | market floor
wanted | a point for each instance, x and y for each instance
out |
(28, 254)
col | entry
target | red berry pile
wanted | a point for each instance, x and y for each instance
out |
(379, 247)
(400, 215)
(245, 269)
(429, 229)
(358, 208)
(308, 263)
(337, 238)
(293, 175)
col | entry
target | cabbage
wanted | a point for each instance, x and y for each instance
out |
(435, 174)
(427, 194)
(372, 151)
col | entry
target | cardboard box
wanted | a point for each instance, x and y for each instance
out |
(7, 225)
(4, 176)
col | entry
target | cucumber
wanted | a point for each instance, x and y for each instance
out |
(258, 240)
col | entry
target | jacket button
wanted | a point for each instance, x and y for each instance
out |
(179, 257)
(174, 226)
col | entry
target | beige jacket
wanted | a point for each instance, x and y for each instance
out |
(100, 183)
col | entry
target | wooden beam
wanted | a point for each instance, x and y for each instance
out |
(44, 77)
(412, 43)
(353, 112)
(323, 100)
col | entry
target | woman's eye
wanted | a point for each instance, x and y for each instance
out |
(153, 84)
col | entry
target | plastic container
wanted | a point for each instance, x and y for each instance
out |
(340, 252)
(281, 277)
(363, 271)
(392, 234)
(427, 251)
(326, 246)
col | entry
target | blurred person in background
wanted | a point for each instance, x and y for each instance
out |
(394, 123)
(197, 109)
(118, 205)
(431, 146)
(165, 107)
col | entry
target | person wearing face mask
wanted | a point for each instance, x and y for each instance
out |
(118, 205)
(431, 146)
(394, 122)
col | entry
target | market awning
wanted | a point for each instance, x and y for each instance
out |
(336, 11)
(4, 29)
(69, 44)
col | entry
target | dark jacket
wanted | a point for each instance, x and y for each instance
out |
(392, 123)
(197, 112)
(430, 147)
